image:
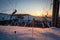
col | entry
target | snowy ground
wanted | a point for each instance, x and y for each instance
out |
(27, 33)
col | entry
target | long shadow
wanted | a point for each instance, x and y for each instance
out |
(3, 36)
(23, 36)
(55, 29)
(51, 35)
(6, 36)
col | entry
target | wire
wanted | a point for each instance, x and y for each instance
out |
(51, 4)
(32, 31)
(9, 2)
(14, 5)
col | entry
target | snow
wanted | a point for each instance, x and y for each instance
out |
(29, 33)
(31, 17)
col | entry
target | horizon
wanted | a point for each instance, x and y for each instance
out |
(25, 14)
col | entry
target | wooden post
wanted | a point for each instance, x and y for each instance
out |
(55, 13)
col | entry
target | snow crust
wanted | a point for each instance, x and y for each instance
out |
(29, 33)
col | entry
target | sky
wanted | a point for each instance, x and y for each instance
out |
(32, 7)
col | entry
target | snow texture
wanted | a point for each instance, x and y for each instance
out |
(29, 33)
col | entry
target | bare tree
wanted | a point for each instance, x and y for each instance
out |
(13, 14)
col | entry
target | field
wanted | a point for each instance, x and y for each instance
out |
(29, 33)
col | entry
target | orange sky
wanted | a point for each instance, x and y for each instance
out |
(38, 13)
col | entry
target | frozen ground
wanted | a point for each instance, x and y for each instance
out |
(27, 33)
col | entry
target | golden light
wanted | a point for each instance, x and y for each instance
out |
(37, 13)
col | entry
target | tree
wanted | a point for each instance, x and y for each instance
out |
(33, 22)
(13, 13)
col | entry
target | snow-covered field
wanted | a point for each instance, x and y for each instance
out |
(29, 33)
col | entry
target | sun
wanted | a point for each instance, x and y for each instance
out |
(38, 14)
